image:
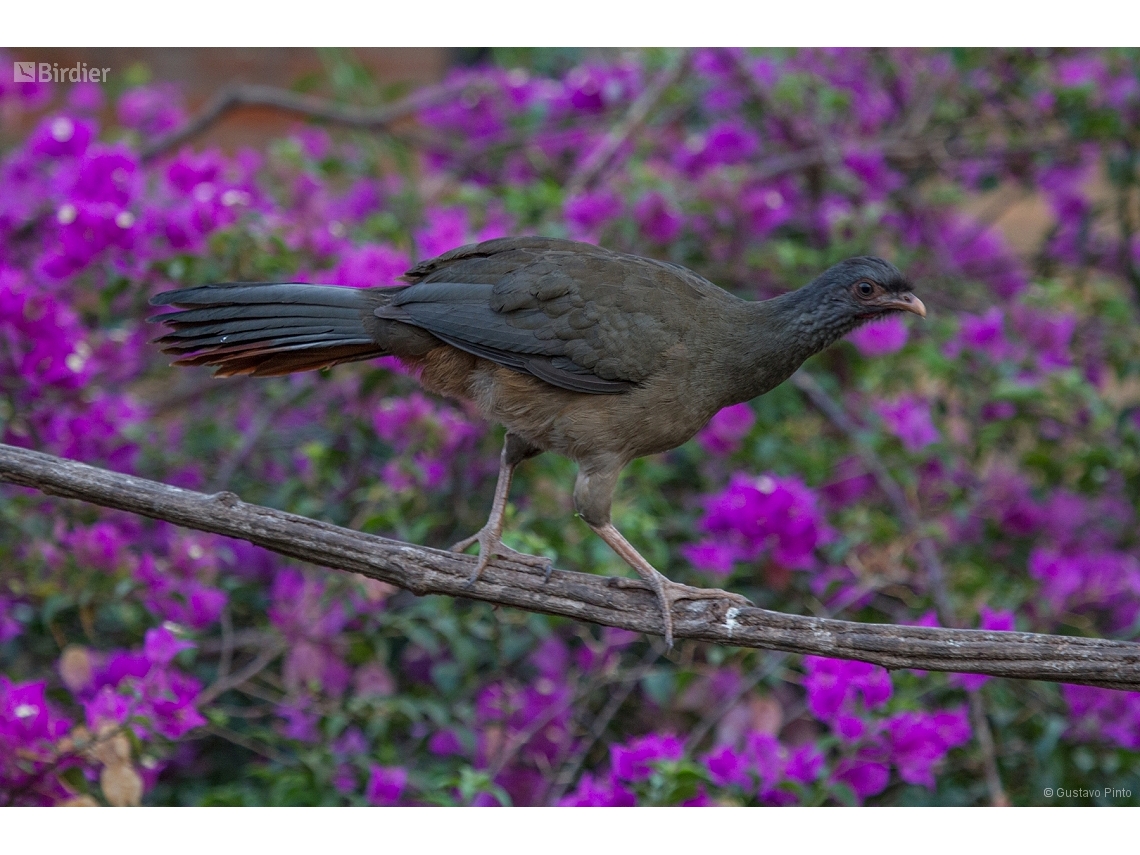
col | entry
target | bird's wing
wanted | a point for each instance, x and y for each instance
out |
(575, 315)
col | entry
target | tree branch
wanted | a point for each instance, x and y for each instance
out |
(928, 552)
(624, 603)
(637, 115)
(928, 555)
(237, 95)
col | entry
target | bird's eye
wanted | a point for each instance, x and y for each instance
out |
(864, 288)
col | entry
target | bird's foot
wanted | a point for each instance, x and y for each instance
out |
(678, 592)
(670, 592)
(491, 545)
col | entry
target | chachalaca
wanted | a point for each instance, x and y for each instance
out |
(596, 355)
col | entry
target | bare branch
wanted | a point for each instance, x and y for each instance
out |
(928, 553)
(636, 116)
(234, 96)
(623, 603)
(980, 725)
(568, 768)
(259, 663)
(929, 558)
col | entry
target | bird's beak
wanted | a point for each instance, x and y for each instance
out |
(906, 302)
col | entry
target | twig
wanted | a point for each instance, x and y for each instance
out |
(251, 670)
(758, 674)
(226, 660)
(569, 771)
(236, 95)
(768, 667)
(521, 738)
(266, 751)
(931, 562)
(928, 554)
(624, 603)
(981, 727)
(599, 158)
(250, 439)
(73, 752)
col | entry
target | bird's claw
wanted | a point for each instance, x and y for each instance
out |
(490, 546)
(677, 592)
(671, 592)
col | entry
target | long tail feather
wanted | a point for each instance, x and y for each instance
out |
(266, 329)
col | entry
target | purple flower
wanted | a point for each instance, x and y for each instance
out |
(591, 792)
(170, 702)
(351, 743)
(850, 483)
(152, 109)
(445, 228)
(840, 692)
(805, 764)
(872, 170)
(86, 97)
(908, 418)
(1104, 715)
(161, 646)
(587, 213)
(503, 711)
(1101, 580)
(61, 136)
(1079, 523)
(768, 758)
(728, 767)
(9, 627)
(725, 143)
(107, 174)
(918, 741)
(658, 218)
(1082, 71)
(754, 516)
(718, 559)
(444, 743)
(980, 252)
(145, 691)
(865, 778)
(768, 206)
(426, 436)
(26, 717)
(299, 724)
(1048, 336)
(386, 784)
(593, 87)
(633, 761)
(119, 666)
(728, 427)
(551, 658)
(881, 337)
(177, 588)
(314, 624)
(370, 266)
(107, 707)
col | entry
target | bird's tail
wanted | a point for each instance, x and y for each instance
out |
(267, 329)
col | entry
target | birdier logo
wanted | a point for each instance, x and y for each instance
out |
(50, 72)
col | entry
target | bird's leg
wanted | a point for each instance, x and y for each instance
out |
(593, 496)
(489, 537)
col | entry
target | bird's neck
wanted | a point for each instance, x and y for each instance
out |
(778, 335)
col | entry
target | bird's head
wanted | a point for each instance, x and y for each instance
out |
(849, 295)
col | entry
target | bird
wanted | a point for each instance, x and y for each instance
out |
(597, 355)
